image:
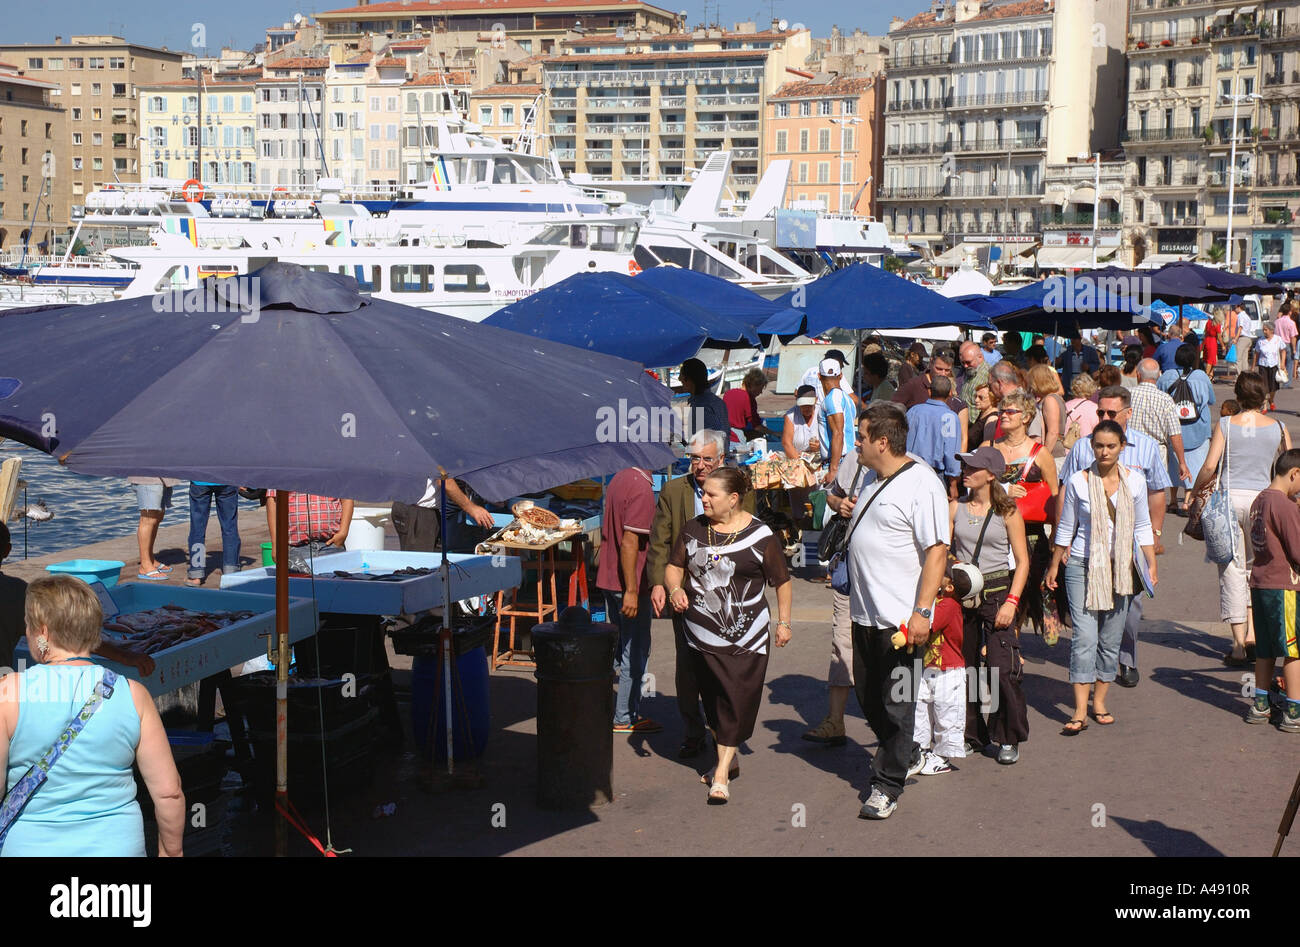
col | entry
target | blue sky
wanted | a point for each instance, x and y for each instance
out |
(241, 23)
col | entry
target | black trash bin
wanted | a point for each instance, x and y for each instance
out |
(575, 711)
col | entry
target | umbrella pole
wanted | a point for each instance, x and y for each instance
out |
(445, 634)
(282, 671)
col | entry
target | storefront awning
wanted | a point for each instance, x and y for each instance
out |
(1157, 260)
(1055, 199)
(1065, 257)
(954, 255)
(1245, 11)
(1084, 194)
(1222, 13)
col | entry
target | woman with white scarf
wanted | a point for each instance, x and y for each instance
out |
(1104, 517)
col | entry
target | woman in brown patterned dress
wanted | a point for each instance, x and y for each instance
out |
(716, 575)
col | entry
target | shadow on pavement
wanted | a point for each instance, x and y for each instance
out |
(1221, 692)
(1163, 841)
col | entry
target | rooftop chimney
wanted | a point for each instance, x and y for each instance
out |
(58, 41)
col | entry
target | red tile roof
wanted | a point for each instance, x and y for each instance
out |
(1008, 10)
(370, 10)
(390, 61)
(839, 86)
(521, 89)
(676, 38)
(435, 78)
(408, 45)
(300, 62)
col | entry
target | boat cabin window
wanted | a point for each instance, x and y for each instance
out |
(504, 172)
(556, 235)
(464, 278)
(678, 256)
(612, 238)
(411, 278)
(701, 262)
(367, 277)
(477, 171)
(644, 258)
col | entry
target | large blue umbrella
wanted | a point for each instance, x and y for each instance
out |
(866, 297)
(324, 391)
(1194, 282)
(1064, 305)
(623, 316)
(295, 380)
(1285, 276)
(714, 293)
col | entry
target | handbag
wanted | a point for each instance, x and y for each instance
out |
(834, 533)
(993, 582)
(18, 797)
(1034, 504)
(1281, 375)
(840, 562)
(1218, 519)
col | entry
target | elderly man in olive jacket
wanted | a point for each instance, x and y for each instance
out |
(679, 501)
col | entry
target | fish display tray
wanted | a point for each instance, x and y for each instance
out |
(470, 576)
(209, 654)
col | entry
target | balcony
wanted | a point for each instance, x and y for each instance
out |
(920, 59)
(1141, 85)
(1081, 220)
(598, 154)
(672, 128)
(610, 103)
(565, 154)
(597, 78)
(635, 154)
(1146, 6)
(742, 153)
(993, 191)
(996, 99)
(744, 180)
(1276, 180)
(904, 193)
(564, 128)
(726, 128)
(1277, 215)
(1181, 38)
(1195, 80)
(672, 101)
(702, 154)
(919, 148)
(726, 101)
(919, 105)
(1191, 179)
(626, 128)
(1289, 32)
(1002, 146)
(1177, 133)
(672, 154)
(1186, 220)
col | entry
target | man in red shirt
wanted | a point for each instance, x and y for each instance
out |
(742, 406)
(621, 575)
(1274, 587)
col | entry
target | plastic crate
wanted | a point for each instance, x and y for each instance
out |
(107, 571)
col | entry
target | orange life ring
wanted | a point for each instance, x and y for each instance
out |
(285, 189)
(633, 267)
(191, 184)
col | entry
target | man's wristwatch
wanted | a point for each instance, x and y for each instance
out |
(923, 612)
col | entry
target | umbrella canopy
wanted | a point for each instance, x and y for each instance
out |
(1063, 305)
(319, 390)
(1169, 313)
(1193, 282)
(966, 282)
(714, 293)
(625, 317)
(862, 296)
(1285, 276)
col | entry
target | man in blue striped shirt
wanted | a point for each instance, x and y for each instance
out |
(1145, 454)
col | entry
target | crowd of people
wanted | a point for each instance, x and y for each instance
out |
(1033, 493)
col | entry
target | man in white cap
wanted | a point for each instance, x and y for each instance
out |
(813, 374)
(837, 417)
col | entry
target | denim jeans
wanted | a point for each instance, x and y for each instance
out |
(227, 498)
(1094, 645)
(633, 653)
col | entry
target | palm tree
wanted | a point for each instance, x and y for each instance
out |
(1216, 253)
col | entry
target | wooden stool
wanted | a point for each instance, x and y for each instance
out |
(543, 561)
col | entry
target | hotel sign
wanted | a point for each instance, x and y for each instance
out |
(1079, 238)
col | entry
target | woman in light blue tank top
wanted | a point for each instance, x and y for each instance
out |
(87, 805)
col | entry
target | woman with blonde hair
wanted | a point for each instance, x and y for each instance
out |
(1027, 466)
(71, 732)
(1045, 385)
(1081, 410)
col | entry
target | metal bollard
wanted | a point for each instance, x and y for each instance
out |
(575, 711)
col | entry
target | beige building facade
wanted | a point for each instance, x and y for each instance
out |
(32, 126)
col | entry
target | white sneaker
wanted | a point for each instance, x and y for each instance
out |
(879, 806)
(934, 764)
(917, 764)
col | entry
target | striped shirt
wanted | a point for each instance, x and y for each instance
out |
(1140, 452)
(1154, 413)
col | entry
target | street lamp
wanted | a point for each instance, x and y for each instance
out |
(1096, 204)
(843, 123)
(1232, 164)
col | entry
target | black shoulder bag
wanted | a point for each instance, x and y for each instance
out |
(835, 533)
(840, 563)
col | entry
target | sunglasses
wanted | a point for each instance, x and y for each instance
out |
(1009, 411)
(1109, 414)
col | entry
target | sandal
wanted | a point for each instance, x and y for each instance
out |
(719, 794)
(1069, 731)
(706, 777)
(1242, 662)
(1103, 723)
(155, 576)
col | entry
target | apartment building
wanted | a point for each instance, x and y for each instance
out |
(537, 25)
(505, 111)
(32, 125)
(384, 80)
(1082, 212)
(97, 78)
(982, 96)
(849, 54)
(829, 128)
(1192, 67)
(204, 130)
(292, 132)
(645, 105)
(425, 100)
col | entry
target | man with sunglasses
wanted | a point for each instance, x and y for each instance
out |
(681, 499)
(1144, 453)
